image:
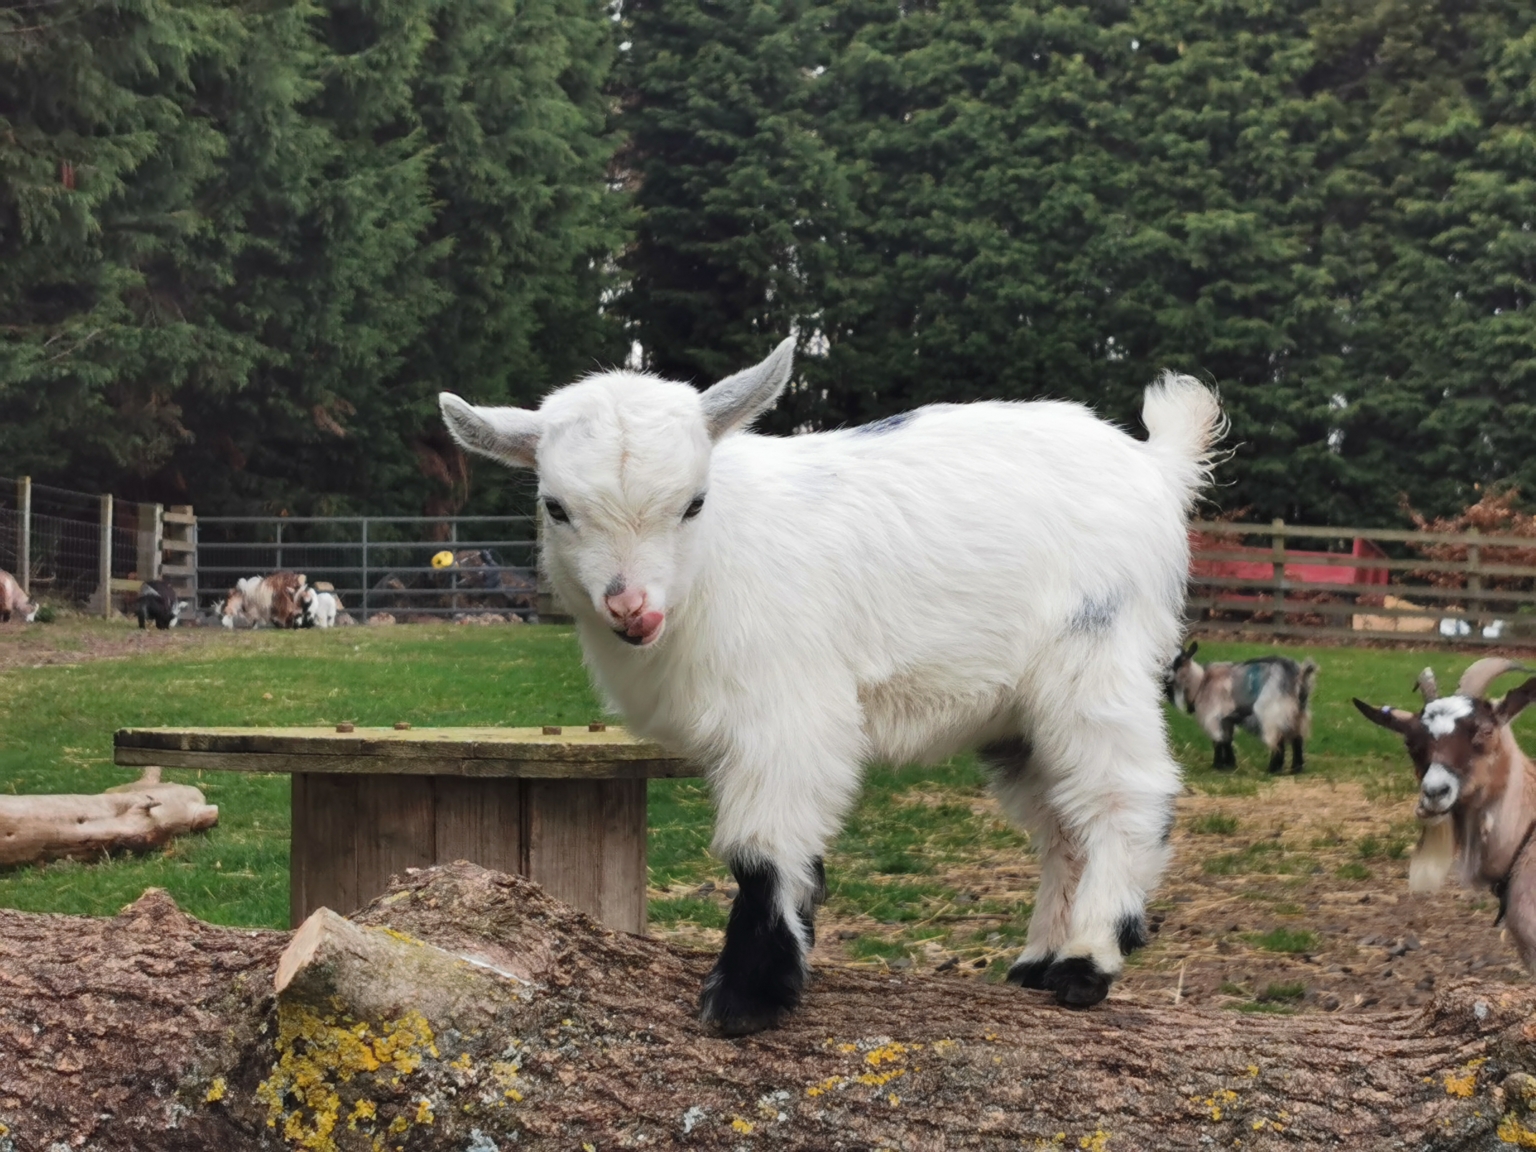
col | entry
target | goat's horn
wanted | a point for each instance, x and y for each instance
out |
(1476, 679)
(1427, 686)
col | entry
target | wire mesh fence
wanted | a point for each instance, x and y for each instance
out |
(66, 547)
(380, 564)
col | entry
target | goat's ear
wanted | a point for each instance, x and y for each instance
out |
(510, 435)
(1388, 717)
(1513, 704)
(1194, 646)
(738, 400)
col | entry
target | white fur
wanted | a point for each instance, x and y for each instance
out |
(1440, 715)
(1438, 791)
(983, 571)
(1434, 857)
(319, 608)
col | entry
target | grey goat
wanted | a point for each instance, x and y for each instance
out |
(1270, 696)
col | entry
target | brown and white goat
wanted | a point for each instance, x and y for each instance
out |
(1270, 696)
(265, 600)
(13, 601)
(1477, 793)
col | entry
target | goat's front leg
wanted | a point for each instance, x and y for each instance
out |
(1298, 761)
(770, 830)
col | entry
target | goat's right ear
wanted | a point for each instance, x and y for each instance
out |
(510, 435)
(738, 400)
(1514, 703)
(1388, 717)
(1194, 646)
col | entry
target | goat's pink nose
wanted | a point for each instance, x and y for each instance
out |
(626, 604)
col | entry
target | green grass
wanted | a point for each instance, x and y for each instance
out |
(56, 725)
(1213, 824)
(1283, 992)
(1288, 940)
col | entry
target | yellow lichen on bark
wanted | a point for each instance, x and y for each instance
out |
(318, 1053)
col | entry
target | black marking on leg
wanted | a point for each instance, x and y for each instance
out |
(761, 970)
(1277, 760)
(1008, 758)
(1298, 757)
(1131, 932)
(1077, 982)
(1031, 973)
(819, 895)
(1169, 818)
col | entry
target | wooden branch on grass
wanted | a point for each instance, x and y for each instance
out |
(131, 817)
(466, 1009)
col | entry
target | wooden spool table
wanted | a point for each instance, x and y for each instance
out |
(564, 808)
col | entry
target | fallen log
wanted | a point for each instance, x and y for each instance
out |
(467, 1010)
(128, 818)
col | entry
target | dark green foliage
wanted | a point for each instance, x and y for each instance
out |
(292, 226)
(292, 223)
(1322, 208)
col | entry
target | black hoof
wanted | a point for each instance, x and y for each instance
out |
(1030, 973)
(740, 1012)
(1131, 933)
(1077, 982)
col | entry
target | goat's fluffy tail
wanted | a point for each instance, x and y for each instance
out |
(1184, 423)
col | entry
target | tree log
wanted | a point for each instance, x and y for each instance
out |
(129, 818)
(467, 1010)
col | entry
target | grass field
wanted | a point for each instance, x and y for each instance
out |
(925, 872)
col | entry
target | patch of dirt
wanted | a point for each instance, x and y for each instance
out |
(76, 641)
(1250, 874)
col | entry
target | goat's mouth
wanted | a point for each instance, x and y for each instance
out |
(1432, 809)
(642, 630)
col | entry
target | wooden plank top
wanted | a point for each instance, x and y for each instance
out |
(572, 753)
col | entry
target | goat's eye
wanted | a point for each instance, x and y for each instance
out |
(557, 511)
(695, 506)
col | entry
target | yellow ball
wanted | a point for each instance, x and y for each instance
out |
(443, 560)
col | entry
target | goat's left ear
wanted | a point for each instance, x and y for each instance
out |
(510, 435)
(1513, 704)
(738, 400)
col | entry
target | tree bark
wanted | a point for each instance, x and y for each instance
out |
(467, 1010)
(129, 818)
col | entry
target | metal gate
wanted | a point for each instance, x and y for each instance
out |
(380, 564)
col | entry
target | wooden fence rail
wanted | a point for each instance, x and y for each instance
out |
(1252, 578)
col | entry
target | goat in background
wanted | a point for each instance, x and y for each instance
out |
(1270, 697)
(1477, 792)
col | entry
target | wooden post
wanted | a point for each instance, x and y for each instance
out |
(365, 569)
(150, 537)
(104, 555)
(24, 533)
(278, 567)
(1474, 581)
(1277, 547)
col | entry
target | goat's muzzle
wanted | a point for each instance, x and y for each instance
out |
(634, 621)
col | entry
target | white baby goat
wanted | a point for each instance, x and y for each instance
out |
(1002, 576)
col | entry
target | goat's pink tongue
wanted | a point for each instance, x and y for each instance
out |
(645, 623)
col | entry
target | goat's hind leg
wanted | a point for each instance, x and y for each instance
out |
(1019, 781)
(1114, 795)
